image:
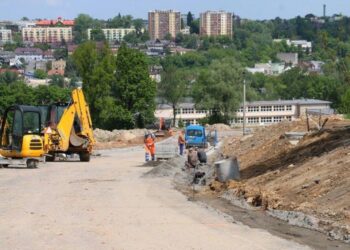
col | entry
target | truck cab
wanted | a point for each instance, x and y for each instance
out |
(195, 136)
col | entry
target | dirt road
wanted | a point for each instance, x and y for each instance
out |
(106, 204)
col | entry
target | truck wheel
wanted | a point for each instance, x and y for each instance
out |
(32, 163)
(84, 156)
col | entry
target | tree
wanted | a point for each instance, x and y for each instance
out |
(168, 37)
(40, 74)
(133, 89)
(60, 53)
(189, 19)
(219, 87)
(194, 27)
(138, 25)
(172, 88)
(57, 80)
(82, 23)
(345, 103)
(97, 35)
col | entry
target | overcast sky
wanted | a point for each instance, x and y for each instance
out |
(104, 9)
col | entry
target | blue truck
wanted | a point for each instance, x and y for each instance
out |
(195, 136)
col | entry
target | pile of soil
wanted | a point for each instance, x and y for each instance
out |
(118, 138)
(218, 127)
(311, 178)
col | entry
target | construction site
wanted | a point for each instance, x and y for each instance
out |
(67, 186)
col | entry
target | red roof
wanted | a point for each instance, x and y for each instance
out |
(55, 22)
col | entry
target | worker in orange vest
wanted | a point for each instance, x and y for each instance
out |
(150, 147)
(182, 142)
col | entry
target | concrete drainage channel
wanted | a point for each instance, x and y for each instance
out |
(285, 224)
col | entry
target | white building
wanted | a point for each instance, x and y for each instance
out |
(29, 54)
(257, 113)
(186, 112)
(114, 34)
(268, 112)
(5, 36)
(272, 69)
(47, 34)
(303, 44)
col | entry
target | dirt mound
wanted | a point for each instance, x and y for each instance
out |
(312, 177)
(218, 127)
(118, 138)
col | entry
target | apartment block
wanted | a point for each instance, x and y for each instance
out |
(216, 23)
(47, 34)
(114, 34)
(5, 36)
(161, 23)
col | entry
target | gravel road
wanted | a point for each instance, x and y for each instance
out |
(106, 204)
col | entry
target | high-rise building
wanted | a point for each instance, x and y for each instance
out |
(113, 34)
(5, 35)
(216, 23)
(161, 23)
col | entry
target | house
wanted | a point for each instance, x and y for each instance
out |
(29, 54)
(41, 65)
(55, 72)
(71, 48)
(272, 69)
(288, 58)
(155, 73)
(6, 57)
(59, 65)
(48, 55)
(180, 50)
(304, 45)
(158, 47)
(269, 112)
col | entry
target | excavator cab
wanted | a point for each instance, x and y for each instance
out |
(20, 134)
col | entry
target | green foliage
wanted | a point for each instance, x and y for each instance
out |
(97, 35)
(120, 22)
(194, 27)
(57, 80)
(218, 88)
(172, 88)
(133, 88)
(40, 74)
(8, 77)
(118, 90)
(61, 53)
(345, 104)
(82, 23)
(189, 18)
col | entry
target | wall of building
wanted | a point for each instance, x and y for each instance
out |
(113, 34)
(47, 34)
(5, 35)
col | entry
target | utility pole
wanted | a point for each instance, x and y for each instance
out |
(244, 107)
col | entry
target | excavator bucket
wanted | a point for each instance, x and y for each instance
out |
(77, 141)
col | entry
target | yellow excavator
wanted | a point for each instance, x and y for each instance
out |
(30, 134)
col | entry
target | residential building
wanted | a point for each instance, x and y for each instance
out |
(29, 54)
(186, 30)
(306, 46)
(162, 23)
(155, 73)
(272, 69)
(5, 36)
(60, 22)
(216, 23)
(114, 34)
(59, 65)
(158, 47)
(6, 57)
(288, 58)
(40, 65)
(47, 34)
(268, 112)
(312, 66)
(180, 50)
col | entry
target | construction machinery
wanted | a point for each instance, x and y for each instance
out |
(33, 134)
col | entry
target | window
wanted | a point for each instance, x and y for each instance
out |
(177, 111)
(266, 108)
(240, 109)
(239, 120)
(288, 118)
(194, 132)
(266, 119)
(277, 119)
(187, 111)
(253, 120)
(253, 109)
(289, 107)
(278, 108)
